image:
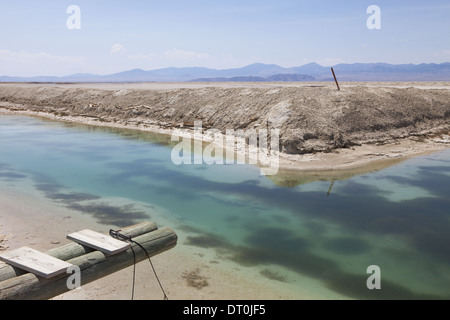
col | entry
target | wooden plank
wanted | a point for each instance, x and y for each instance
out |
(93, 266)
(36, 262)
(73, 249)
(99, 241)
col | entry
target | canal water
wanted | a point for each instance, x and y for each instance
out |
(397, 219)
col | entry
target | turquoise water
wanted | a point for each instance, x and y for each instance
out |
(397, 218)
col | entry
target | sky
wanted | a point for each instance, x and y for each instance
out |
(113, 36)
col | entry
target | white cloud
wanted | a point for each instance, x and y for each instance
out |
(28, 64)
(184, 55)
(168, 56)
(171, 58)
(118, 49)
(29, 57)
(442, 56)
(140, 56)
(24, 63)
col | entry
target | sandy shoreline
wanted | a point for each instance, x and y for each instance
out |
(321, 129)
(361, 158)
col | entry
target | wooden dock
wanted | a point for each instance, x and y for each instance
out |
(27, 274)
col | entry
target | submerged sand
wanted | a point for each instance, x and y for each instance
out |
(186, 273)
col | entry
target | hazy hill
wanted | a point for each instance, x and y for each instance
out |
(275, 78)
(265, 72)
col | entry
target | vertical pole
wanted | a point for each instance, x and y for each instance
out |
(335, 79)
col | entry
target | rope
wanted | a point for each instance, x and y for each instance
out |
(119, 236)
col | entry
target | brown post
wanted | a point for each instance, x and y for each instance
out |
(335, 79)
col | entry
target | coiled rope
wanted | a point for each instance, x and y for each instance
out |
(120, 236)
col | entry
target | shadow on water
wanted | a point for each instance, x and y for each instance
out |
(8, 174)
(347, 246)
(128, 134)
(357, 206)
(91, 204)
(111, 215)
(12, 175)
(282, 247)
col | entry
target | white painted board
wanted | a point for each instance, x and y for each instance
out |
(99, 241)
(36, 262)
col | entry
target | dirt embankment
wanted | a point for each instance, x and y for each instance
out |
(310, 118)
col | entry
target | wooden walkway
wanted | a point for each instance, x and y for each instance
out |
(27, 274)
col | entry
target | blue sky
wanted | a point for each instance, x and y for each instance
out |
(122, 35)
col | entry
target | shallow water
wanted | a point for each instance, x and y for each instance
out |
(397, 218)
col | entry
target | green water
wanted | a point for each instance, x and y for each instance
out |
(397, 218)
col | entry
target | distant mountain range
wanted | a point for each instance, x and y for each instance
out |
(259, 72)
(280, 77)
